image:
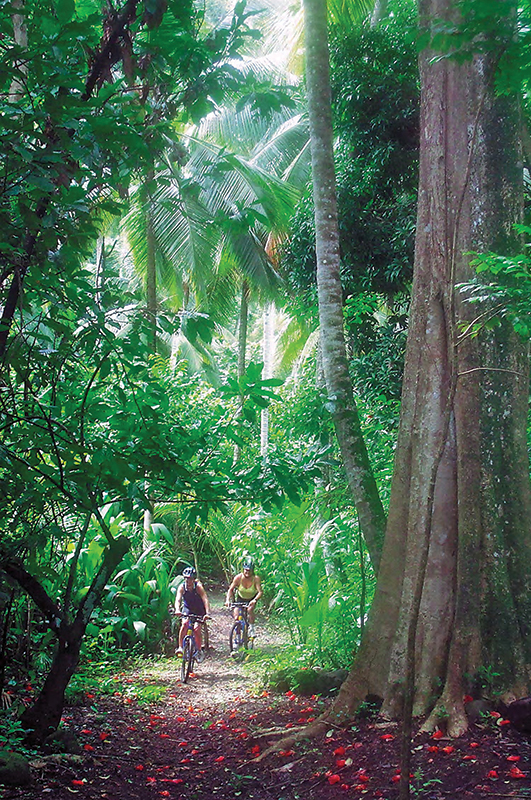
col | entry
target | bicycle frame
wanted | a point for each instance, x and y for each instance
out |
(190, 648)
(239, 635)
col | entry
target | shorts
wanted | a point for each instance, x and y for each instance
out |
(243, 600)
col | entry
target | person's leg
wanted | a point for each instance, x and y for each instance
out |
(182, 632)
(197, 635)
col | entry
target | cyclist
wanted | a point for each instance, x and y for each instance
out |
(246, 587)
(191, 599)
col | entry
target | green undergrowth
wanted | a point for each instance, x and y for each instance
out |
(290, 667)
(117, 674)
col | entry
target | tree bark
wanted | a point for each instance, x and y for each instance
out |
(461, 468)
(335, 364)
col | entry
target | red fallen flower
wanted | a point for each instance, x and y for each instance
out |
(360, 787)
(449, 749)
(396, 777)
(503, 722)
(340, 763)
(495, 714)
(131, 728)
(339, 751)
(288, 725)
(344, 786)
(363, 778)
(437, 734)
(185, 760)
(492, 773)
(139, 767)
(469, 758)
(310, 719)
(180, 719)
(183, 744)
(195, 752)
(171, 780)
(387, 737)
(78, 783)
(151, 780)
(164, 735)
(285, 753)
(88, 747)
(90, 696)
(255, 750)
(86, 730)
(468, 699)
(164, 793)
(433, 748)
(104, 735)
(513, 758)
(219, 758)
(333, 779)
(514, 772)
(474, 744)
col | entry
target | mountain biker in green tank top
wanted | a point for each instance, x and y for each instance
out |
(246, 587)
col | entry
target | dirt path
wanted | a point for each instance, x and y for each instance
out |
(219, 678)
(199, 742)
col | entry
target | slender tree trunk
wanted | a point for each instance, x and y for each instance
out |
(353, 450)
(268, 357)
(461, 478)
(44, 715)
(20, 35)
(243, 323)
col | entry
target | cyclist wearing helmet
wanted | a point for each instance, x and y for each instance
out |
(245, 588)
(191, 599)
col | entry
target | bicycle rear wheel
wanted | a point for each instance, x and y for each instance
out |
(188, 659)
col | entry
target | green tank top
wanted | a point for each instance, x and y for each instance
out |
(246, 594)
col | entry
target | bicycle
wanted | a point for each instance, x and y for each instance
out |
(239, 638)
(191, 652)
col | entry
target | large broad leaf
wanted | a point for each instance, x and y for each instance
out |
(140, 628)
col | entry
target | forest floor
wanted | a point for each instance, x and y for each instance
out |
(200, 740)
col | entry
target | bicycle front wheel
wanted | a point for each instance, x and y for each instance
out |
(236, 637)
(188, 659)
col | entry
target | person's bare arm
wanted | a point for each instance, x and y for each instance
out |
(204, 597)
(179, 597)
(232, 587)
(259, 593)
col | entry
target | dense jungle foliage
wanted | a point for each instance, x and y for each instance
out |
(155, 204)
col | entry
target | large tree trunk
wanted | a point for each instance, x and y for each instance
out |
(335, 364)
(460, 491)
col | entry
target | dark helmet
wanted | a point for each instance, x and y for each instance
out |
(248, 564)
(189, 572)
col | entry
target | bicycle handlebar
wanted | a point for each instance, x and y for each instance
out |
(193, 617)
